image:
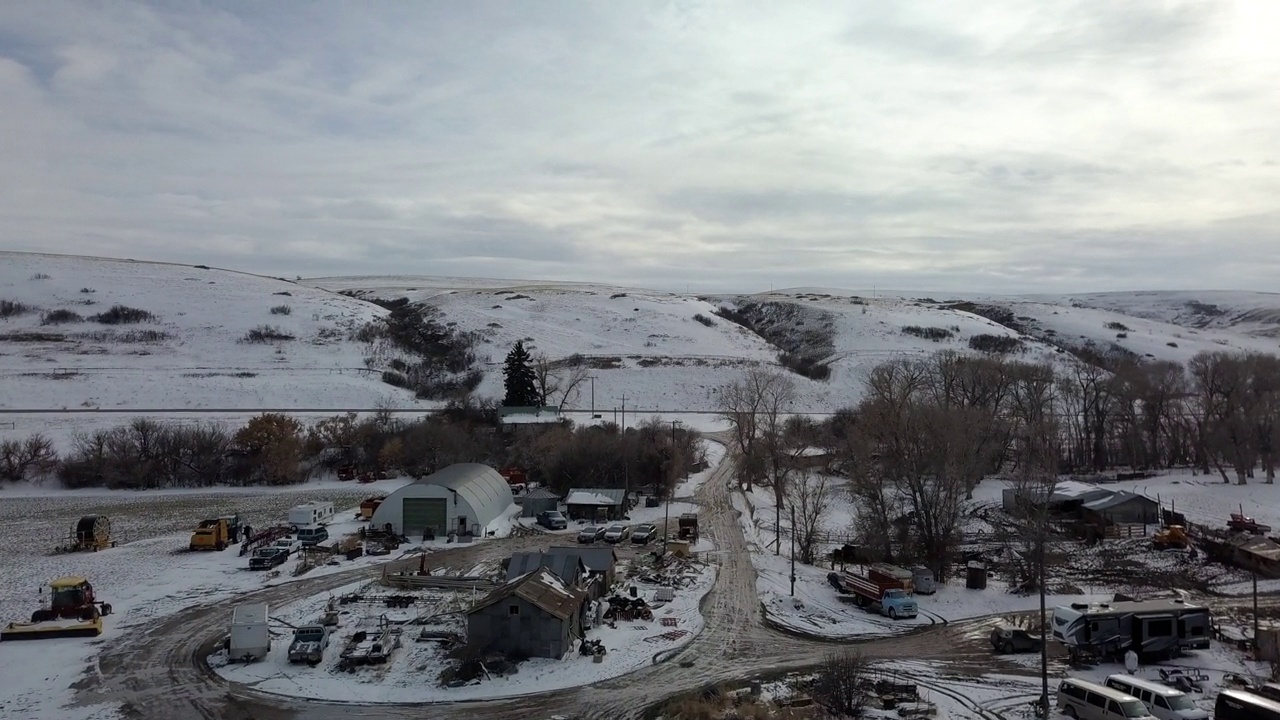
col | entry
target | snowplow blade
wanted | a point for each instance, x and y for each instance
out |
(44, 631)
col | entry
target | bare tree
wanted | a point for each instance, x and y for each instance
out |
(558, 381)
(809, 496)
(754, 405)
(841, 685)
(27, 459)
(1227, 432)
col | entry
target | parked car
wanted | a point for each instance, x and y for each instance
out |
(312, 535)
(267, 558)
(309, 642)
(289, 544)
(1008, 639)
(589, 534)
(616, 533)
(552, 520)
(643, 534)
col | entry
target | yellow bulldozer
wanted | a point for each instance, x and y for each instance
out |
(1171, 536)
(73, 611)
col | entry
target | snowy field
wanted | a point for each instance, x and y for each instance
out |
(190, 354)
(410, 675)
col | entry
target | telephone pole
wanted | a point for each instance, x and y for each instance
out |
(671, 486)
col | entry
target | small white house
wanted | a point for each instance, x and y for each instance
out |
(313, 513)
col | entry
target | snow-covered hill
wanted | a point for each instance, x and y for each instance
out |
(190, 353)
(652, 351)
(1251, 313)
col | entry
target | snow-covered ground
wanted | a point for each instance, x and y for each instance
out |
(690, 485)
(148, 575)
(411, 674)
(1253, 313)
(190, 354)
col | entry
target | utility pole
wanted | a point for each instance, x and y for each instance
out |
(624, 413)
(592, 378)
(666, 523)
(793, 551)
(1044, 644)
(1255, 614)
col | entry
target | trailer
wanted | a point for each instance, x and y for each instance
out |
(250, 637)
(1151, 628)
(311, 513)
(889, 573)
(885, 596)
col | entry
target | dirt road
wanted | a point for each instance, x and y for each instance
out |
(160, 671)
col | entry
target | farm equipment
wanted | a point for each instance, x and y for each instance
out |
(347, 473)
(90, 533)
(627, 609)
(368, 507)
(1171, 536)
(688, 527)
(211, 535)
(1243, 523)
(70, 598)
(263, 538)
(886, 596)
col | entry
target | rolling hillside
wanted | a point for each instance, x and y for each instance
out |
(192, 349)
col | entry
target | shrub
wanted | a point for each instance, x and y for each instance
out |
(40, 276)
(704, 320)
(265, 334)
(87, 290)
(281, 310)
(805, 366)
(58, 317)
(27, 459)
(928, 333)
(841, 686)
(13, 308)
(391, 377)
(122, 315)
(1121, 336)
(1117, 326)
(130, 337)
(615, 296)
(1172, 344)
(995, 343)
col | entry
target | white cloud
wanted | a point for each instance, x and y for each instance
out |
(996, 146)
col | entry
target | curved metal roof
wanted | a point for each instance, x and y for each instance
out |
(481, 486)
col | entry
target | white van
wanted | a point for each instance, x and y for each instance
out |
(1163, 701)
(1090, 701)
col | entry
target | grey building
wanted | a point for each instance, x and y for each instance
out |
(599, 562)
(596, 504)
(537, 501)
(536, 615)
(463, 498)
(568, 568)
(1123, 507)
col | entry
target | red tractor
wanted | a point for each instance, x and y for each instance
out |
(1243, 523)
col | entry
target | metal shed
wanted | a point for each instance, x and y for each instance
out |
(1124, 507)
(568, 568)
(535, 615)
(464, 498)
(598, 561)
(596, 504)
(539, 500)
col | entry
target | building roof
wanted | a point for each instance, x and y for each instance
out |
(596, 559)
(1068, 490)
(540, 494)
(1117, 499)
(540, 588)
(530, 415)
(566, 567)
(1263, 547)
(595, 496)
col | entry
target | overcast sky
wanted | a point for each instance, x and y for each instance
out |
(985, 146)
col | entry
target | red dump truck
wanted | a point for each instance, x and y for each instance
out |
(884, 595)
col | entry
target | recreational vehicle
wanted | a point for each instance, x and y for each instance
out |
(312, 513)
(1151, 628)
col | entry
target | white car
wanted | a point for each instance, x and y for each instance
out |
(616, 533)
(289, 544)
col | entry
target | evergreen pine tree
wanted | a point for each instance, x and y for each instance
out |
(519, 379)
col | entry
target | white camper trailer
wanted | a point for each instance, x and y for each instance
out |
(312, 513)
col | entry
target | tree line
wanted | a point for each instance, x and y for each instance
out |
(276, 449)
(927, 430)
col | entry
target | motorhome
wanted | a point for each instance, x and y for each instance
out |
(1151, 628)
(1241, 705)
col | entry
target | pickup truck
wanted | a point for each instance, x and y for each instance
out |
(309, 642)
(267, 558)
(883, 595)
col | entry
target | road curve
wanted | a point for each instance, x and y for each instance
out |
(159, 671)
